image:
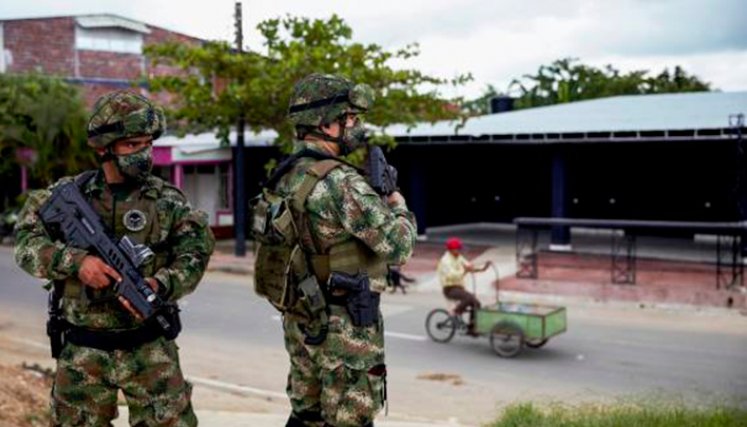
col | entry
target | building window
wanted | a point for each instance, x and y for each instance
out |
(225, 199)
(207, 188)
(109, 40)
(219, 176)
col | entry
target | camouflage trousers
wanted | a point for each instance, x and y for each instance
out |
(87, 380)
(343, 379)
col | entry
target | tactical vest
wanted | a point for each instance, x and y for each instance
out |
(288, 253)
(114, 213)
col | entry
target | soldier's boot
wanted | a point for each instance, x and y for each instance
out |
(300, 420)
(294, 422)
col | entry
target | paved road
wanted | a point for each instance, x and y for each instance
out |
(232, 342)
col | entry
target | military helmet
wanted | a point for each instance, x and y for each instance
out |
(124, 114)
(320, 99)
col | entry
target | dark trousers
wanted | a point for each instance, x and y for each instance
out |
(466, 299)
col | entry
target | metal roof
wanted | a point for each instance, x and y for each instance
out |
(108, 21)
(631, 117)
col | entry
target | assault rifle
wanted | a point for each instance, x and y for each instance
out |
(68, 214)
(381, 175)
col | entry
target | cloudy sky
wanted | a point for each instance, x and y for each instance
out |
(495, 40)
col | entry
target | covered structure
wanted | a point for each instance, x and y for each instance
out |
(666, 157)
(201, 166)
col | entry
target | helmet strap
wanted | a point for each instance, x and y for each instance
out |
(339, 140)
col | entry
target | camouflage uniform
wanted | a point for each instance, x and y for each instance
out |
(341, 382)
(87, 379)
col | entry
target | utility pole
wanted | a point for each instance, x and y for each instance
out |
(240, 206)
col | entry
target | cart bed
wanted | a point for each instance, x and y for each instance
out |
(537, 322)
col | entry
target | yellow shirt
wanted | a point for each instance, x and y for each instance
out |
(451, 269)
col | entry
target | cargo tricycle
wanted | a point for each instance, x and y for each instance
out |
(509, 325)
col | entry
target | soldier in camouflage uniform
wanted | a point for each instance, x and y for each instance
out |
(134, 203)
(342, 381)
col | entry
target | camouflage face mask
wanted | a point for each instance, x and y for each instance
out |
(353, 138)
(136, 166)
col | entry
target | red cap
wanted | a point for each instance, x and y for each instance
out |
(453, 243)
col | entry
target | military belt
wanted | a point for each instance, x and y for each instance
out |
(113, 340)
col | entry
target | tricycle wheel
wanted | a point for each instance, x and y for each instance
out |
(506, 339)
(440, 325)
(535, 343)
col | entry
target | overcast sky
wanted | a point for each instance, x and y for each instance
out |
(495, 40)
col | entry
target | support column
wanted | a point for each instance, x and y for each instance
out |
(239, 212)
(417, 198)
(240, 206)
(179, 176)
(560, 235)
(736, 122)
(24, 179)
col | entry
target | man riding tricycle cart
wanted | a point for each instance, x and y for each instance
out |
(510, 326)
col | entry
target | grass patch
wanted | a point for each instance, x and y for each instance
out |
(620, 415)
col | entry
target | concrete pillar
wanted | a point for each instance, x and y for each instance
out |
(24, 179)
(179, 175)
(560, 235)
(417, 198)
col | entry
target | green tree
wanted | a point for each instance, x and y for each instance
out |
(677, 81)
(47, 116)
(567, 80)
(481, 105)
(218, 84)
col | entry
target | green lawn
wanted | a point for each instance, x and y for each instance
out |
(620, 415)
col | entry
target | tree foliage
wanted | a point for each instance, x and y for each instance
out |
(567, 80)
(47, 116)
(481, 105)
(218, 84)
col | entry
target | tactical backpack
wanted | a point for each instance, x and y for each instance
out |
(278, 223)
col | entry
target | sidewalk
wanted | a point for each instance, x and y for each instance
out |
(245, 419)
(583, 277)
(423, 262)
(227, 262)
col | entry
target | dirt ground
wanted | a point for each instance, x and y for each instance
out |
(25, 383)
(24, 396)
